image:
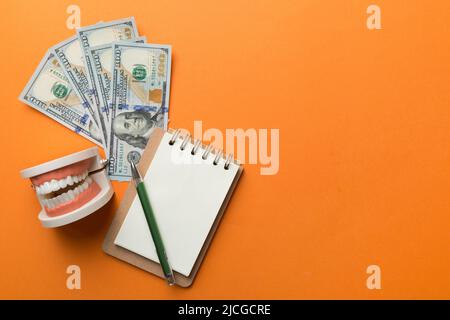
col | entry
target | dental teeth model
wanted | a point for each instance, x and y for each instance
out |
(53, 202)
(71, 187)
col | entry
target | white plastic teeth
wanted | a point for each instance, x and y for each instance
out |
(66, 196)
(54, 185)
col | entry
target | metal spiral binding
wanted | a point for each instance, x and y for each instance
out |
(174, 136)
(197, 145)
(185, 141)
(217, 158)
(207, 151)
(228, 161)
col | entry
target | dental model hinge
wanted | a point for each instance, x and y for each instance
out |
(103, 164)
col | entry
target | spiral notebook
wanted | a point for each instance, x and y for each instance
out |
(189, 186)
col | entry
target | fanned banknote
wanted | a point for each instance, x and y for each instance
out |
(70, 56)
(101, 57)
(99, 34)
(50, 92)
(140, 100)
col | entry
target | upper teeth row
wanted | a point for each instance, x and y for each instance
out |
(55, 185)
(66, 196)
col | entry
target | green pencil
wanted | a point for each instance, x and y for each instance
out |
(151, 221)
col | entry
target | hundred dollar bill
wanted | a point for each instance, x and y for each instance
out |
(101, 56)
(98, 34)
(140, 100)
(70, 56)
(50, 92)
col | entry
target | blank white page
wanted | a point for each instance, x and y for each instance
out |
(186, 193)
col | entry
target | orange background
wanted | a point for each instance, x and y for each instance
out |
(364, 148)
